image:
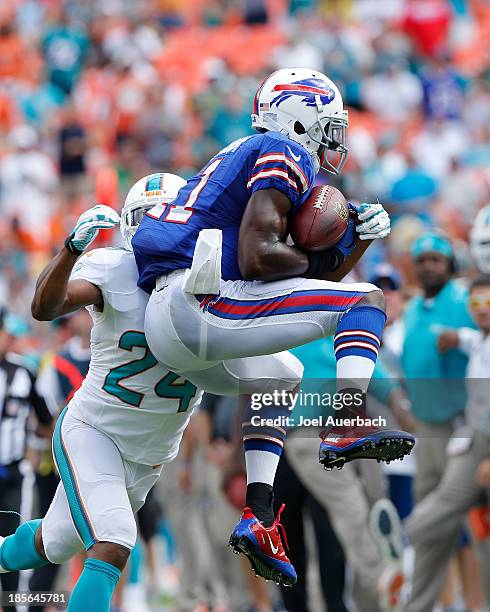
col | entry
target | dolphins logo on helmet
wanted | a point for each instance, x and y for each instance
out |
(152, 191)
(308, 89)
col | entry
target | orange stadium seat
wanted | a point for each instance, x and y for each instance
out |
(247, 50)
(474, 57)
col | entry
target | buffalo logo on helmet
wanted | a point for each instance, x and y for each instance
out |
(308, 89)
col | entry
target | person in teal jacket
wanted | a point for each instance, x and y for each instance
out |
(435, 381)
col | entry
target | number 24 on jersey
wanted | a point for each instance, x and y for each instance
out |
(166, 387)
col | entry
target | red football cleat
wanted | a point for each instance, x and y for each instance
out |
(345, 443)
(263, 547)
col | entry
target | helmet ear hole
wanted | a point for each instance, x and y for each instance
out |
(299, 128)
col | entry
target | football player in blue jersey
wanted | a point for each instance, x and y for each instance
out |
(229, 294)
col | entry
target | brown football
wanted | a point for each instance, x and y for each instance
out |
(322, 220)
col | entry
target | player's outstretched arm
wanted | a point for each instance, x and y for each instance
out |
(262, 250)
(55, 294)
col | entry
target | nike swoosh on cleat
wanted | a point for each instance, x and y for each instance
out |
(273, 548)
(296, 158)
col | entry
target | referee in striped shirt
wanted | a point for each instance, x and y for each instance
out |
(18, 399)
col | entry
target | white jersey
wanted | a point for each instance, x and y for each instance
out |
(142, 406)
(477, 346)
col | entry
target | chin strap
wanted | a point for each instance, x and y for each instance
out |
(316, 162)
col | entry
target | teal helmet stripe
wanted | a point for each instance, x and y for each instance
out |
(154, 182)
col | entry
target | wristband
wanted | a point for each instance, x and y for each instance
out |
(324, 261)
(69, 245)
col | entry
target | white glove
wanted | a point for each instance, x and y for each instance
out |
(88, 225)
(375, 222)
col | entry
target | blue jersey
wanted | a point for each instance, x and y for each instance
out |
(216, 198)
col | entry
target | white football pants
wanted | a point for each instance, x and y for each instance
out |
(234, 342)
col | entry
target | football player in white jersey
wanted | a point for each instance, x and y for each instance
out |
(123, 424)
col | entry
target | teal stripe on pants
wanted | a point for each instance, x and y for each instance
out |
(77, 510)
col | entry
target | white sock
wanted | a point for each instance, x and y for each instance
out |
(261, 466)
(356, 370)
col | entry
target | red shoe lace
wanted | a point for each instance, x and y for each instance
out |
(276, 523)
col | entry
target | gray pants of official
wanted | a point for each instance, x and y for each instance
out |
(435, 524)
(347, 502)
(430, 452)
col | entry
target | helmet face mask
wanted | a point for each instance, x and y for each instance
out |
(150, 191)
(333, 136)
(131, 217)
(135, 215)
(307, 106)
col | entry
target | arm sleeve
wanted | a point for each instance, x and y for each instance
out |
(285, 166)
(468, 339)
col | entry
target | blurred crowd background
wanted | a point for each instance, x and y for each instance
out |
(96, 94)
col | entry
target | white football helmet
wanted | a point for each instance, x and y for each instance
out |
(307, 106)
(150, 191)
(480, 239)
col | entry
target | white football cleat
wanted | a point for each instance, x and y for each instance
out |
(387, 531)
(390, 589)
